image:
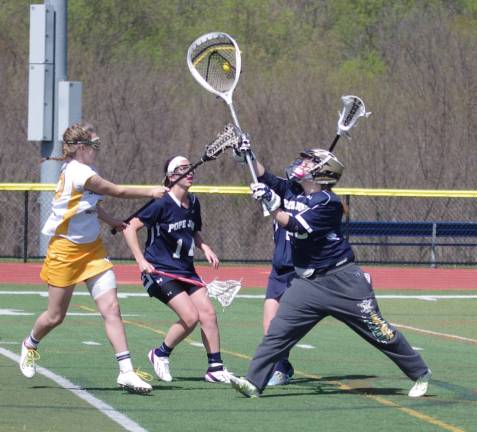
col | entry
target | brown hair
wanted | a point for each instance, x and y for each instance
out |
(81, 131)
(166, 180)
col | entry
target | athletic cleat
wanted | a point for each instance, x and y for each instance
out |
(131, 382)
(244, 386)
(278, 378)
(161, 366)
(27, 361)
(218, 376)
(420, 386)
(282, 374)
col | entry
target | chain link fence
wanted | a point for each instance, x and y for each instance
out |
(385, 227)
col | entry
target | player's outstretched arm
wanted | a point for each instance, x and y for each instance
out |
(99, 185)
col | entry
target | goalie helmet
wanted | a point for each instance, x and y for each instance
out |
(324, 169)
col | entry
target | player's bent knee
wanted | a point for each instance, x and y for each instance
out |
(56, 319)
(208, 316)
(190, 320)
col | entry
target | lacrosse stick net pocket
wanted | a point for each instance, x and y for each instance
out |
(224, 291)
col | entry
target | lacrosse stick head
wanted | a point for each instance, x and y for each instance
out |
(215, 62)
(224, 291)
(353, 109)
(229, 137)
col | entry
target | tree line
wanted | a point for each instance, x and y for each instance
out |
(413, 63)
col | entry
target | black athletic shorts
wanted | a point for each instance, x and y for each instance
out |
(164, 288)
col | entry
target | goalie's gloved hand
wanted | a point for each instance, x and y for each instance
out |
(261, 192)
(241, 149)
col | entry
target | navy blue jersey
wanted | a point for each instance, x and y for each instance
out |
(315, 225)
(170, 234)
(282, 255)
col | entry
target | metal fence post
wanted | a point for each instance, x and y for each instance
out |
(25, 226)
(433, 245)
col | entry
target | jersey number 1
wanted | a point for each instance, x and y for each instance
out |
(177, 253)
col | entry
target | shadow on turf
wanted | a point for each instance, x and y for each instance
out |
(328, 385)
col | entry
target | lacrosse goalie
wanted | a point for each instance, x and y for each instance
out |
(328, 281)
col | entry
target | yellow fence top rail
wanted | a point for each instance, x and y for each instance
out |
(241, 190)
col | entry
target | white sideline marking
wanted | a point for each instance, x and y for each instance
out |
(76, 293)
(197, 344)
(428, 297)
(101, 406)
(305, 346)
(14, 312)
(11, 312)
(450, 336)
(90, 343)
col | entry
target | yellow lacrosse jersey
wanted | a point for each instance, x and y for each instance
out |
(73, 213)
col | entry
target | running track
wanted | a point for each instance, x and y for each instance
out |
(384, 278)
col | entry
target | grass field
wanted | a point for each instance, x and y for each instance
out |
(340, 383)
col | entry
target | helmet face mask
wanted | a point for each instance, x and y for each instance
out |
(316, 165)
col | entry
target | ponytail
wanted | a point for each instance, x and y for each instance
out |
(77, 132)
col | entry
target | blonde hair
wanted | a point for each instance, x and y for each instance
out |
(81, 131)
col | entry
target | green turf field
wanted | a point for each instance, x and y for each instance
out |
(340, 384)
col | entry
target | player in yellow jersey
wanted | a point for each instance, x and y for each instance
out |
(76, 252)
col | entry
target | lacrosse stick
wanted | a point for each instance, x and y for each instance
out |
(230, 137)
(223, 291)
(353, 109)
(214, 61)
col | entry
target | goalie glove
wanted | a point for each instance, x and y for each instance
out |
(261, 192)
(242, 149)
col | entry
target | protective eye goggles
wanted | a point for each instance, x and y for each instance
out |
(95, 143)
(181, 169)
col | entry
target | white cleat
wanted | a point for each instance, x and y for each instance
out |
(278, 378)
(27, 361)
(244, 386)
(218, 376)
(420, 385)
(160, 365)
(131, 382)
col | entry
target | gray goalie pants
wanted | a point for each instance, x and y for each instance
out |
(347, 295)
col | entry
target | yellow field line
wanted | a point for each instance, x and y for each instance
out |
(433, 333)
(387, 402)
(409, 411)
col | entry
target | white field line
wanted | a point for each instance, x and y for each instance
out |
(261, 296)
(305, 346)
(16, 312)
(122, 420)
